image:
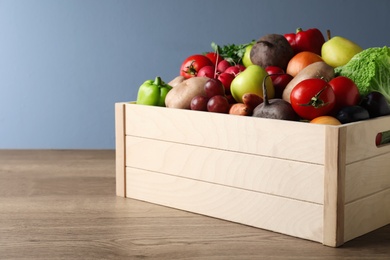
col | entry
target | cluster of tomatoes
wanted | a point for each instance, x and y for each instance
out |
(312, 98)
(211, 65)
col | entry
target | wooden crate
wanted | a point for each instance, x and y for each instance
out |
(328, 184)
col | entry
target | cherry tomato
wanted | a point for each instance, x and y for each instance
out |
(192, 64)
(312, 98)
(214, 57)
(346, 91)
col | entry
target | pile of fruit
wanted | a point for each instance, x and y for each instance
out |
(297, 76)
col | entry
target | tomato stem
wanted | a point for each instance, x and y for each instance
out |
(191, 69)
(315, 101)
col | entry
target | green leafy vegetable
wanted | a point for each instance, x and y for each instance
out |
(231, 52)
(370, 70)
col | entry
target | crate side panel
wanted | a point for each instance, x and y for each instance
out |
(283, 215)
(268, 137)
(367, 214)
(361, 139)
(367, 177)
(298, 180)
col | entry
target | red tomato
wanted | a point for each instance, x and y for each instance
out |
(346, 91)
(192, 64)
(214, 57)
(312, 98)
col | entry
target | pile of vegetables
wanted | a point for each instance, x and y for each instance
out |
(315, 78)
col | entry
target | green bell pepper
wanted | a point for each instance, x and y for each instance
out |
(153, 92)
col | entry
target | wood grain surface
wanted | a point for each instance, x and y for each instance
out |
(61, 204)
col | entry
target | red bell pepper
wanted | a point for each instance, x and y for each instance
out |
(309, 40)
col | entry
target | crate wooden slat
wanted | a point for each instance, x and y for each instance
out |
(246, 171)
(328, 184)
(280, 214)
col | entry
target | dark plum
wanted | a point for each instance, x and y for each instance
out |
(352, 114)
(376, 104)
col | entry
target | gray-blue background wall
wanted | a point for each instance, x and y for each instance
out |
(64, 64)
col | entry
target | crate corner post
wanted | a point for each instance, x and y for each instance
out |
(334, 182)
(120, 149)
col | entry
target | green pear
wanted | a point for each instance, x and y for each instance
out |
(246, 59)
(251, 81)
(337, 51)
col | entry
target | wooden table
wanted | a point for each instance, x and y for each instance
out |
(61, 204)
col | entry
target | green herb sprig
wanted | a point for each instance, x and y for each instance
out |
(233, 53)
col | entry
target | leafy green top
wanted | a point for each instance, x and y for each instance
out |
(231, 52)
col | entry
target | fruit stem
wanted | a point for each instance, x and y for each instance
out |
(328, 34)
(157, 81)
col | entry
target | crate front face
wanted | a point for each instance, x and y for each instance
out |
(265, 173)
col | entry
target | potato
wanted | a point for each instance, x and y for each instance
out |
(176, 81)
(317, 69)
(180, 96)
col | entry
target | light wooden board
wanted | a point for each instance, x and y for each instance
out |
(287, 216)
(297, 180)
(361, 139)
(120, 149)
(334, 186)
(367, 177)
(274, 138)
(367, 214)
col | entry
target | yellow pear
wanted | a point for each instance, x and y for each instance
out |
(337, 51)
